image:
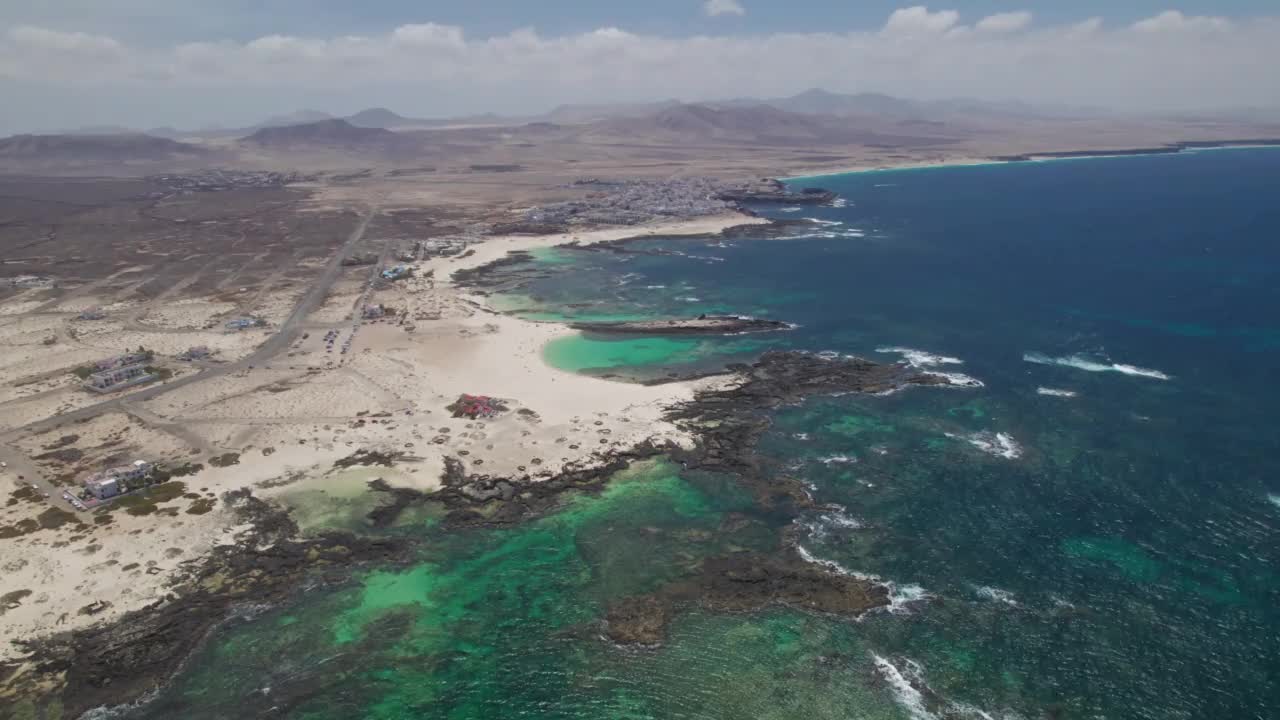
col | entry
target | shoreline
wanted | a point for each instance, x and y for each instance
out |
(1181, 148)
(554, 425)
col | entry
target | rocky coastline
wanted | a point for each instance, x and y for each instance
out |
(120, 661)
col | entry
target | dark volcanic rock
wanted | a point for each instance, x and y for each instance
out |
(119, 661)
(704, 325)
(744, 583)
(729, 421)
(773, 191)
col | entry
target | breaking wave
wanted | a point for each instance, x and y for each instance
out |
(1274, 498)
(825, 234)
(920, 358)
(959, 380)
(1083, 363)
(901, 597)
(792, 209)
(912, 692)
(995, 594)
(1051, 392)
(838, 460)
(992, 443)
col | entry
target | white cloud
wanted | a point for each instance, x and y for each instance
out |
(1175, 21)
(1004, 22)
(716, 8)
(39, 39)
(918, 20)
(1168, 62)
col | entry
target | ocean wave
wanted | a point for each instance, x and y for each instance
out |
(825, 235)
(1080, 362)
(992, 443)
(959, 380)
(1274, 498)
(920, 358)
(689, 298)
(1051, 392)
(838, 460)
(912, 692)
(901, 597)
(655, 287)
(904, 690)
(792, 209)
(819, 527)
(995, 594)
(829, 223)
(839, 203)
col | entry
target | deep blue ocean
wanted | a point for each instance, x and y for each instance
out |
(1094, 532)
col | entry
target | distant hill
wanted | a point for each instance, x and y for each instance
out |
(578, 114)
(821, 102)
(380, 118)
(334, 133)
(298, 117)
(755, 124)
(96, 149)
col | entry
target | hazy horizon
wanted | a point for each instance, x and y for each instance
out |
(81, 68)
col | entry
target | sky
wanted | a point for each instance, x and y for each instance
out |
(194, 63)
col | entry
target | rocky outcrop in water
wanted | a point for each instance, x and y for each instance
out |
(702, 325)
(743, 583)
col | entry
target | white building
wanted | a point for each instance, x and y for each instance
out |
(116, 480)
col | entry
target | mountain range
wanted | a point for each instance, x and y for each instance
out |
(809, 102)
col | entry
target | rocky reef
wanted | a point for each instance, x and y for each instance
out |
(743, 583)
(701, 325)
(774, 191)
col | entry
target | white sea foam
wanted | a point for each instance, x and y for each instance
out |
(1083, 363)
(840, 202)
(820, 526)
(920, 358)
(801, 436)
(1051, 392)
(831, 565)
(655, 287)
(992, 443)
(904, 689)
(1274, 498)
(911, 691)
(820, 221)
(689, 298)
(838, 460)
(959, 380)
(825, 234)
(901, 597)
(792, 209)
(995, 594)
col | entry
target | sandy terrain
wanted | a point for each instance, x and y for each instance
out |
(286, 422)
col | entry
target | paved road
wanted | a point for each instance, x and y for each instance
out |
(280, 341)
